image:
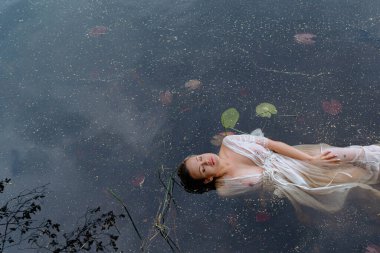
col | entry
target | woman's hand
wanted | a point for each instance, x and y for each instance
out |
(327, 158)
(372, 249)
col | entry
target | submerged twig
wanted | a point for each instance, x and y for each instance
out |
(126, 210)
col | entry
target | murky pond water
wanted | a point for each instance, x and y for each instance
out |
(100, 98)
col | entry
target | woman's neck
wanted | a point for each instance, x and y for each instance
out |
(224, 168)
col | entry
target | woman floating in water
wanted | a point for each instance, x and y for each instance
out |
(318, 176)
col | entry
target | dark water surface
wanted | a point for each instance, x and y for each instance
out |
(81, 110)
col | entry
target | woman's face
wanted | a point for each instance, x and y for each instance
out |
(204, 166)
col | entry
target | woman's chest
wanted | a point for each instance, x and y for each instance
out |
(240, 164)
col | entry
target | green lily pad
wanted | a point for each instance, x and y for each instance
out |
(265, 110)
(230, 117)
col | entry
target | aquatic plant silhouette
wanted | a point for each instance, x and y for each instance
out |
(97, 231)
(17, 215)
(18, 226)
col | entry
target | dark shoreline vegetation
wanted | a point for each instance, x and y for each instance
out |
(20, 223)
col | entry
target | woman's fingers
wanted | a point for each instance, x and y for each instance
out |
(327, 155)
(324, 153)
(333, 161)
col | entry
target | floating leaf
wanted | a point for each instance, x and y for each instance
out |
(230, 117)
(97, 31)
(193, 84)
(166, 97)
(217, 139)
(262, 216)
(138, 181)
(265, 110)
(332, 107)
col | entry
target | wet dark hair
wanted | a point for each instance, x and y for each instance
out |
(190, 184)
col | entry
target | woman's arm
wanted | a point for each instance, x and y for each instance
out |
(286, 150)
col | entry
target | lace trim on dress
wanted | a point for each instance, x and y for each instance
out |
(242, 177)
(263, 141)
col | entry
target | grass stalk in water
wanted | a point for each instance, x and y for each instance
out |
(160, 219)
(126, 210)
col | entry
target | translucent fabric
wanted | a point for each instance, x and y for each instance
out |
(319, 187)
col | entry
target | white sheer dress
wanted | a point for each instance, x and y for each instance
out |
(320, 187)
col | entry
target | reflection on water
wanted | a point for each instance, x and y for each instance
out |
(98, 96)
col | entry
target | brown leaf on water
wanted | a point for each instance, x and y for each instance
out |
(193, 84)
(166, 97)
(217, 139)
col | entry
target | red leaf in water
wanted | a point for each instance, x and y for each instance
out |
(138, 181)
(332, 107)
(305, 38)
(262, 216)
(184, 109)
(97, 31)
(243, 92)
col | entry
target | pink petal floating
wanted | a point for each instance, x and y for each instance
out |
(138, 181)
(332, 107)
(305, 38)
(166, 97)
(262, 216)
(97, 31)
(217, 139)
(193, 84)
